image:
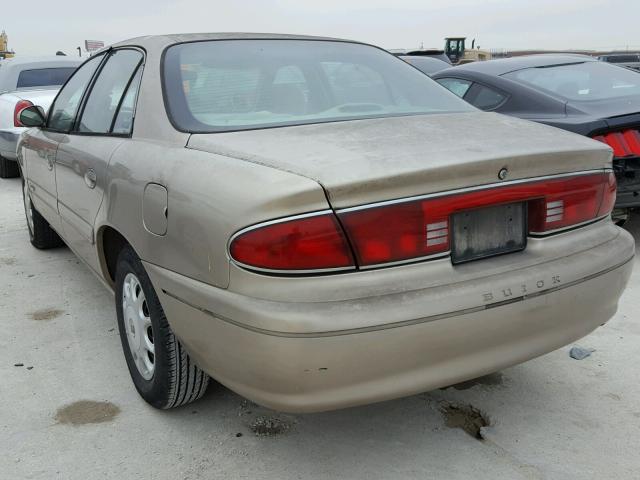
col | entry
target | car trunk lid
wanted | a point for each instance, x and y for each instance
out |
(365, 161)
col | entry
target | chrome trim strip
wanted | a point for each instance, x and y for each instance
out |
(293, 272)
(404, 323)
(470, 189)
(570, 227)
(407, 261)
(283, 272)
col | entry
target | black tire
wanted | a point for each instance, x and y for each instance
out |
(176, 379)
(41, 235)
(8, 168)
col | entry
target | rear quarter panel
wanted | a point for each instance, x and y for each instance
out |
(210, 197)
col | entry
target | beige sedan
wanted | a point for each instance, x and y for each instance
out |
(314, 223)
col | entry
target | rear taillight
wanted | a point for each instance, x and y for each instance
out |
(411, 229)
(298, 244)
(573, 201)
(21, 105)
(400, 231)
(625, 143)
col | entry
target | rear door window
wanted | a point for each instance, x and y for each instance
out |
(108, 90)
(44, 77)
(455, 85)
(485, 98)
(123, 124)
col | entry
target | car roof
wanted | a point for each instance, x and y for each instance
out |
(505, 65)
(55, 59)
(425, 58)
(169, 39)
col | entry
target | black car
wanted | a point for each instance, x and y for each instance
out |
(425, 52)
(572, 92)
(426, 64)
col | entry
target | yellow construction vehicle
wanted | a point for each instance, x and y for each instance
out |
(4, 46)
(454, 48)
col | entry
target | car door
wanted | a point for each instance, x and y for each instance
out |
(41, 145)
(83, 154)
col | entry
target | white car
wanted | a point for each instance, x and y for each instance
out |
(26, 81)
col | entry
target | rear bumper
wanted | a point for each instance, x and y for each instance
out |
(9, 142)
(270, 352)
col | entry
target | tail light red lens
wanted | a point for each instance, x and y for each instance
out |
(571, 202)
(608, 195)
(298, 244)
(407, 230)
(625, 143)
(21, 105)
(396, 232)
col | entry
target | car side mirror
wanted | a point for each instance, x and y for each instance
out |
(32, 116)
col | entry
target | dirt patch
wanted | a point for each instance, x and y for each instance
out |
(87, 411)
(465, 417)
(46, 314)
(269, 426)
(491, 380)
(7, 261)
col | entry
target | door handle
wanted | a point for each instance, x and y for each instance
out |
(90, 178)
(50, 162)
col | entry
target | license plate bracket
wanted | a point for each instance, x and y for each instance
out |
(489, 231)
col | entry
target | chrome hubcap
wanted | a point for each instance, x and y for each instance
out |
(27, 207)
(137, 324)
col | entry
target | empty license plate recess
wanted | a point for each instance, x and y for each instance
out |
(489, 231)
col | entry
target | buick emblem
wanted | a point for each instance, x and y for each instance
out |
(502, 174)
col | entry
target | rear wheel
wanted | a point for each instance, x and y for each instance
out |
(161, 369)
(41, 235)
(8, 168)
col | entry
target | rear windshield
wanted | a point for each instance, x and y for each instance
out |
(245, 84)
(44, 77)
(582, 81)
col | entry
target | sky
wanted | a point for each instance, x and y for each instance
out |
(42, 27)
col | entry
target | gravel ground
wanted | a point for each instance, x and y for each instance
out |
(71, 412)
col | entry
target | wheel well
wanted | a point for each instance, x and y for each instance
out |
(112, 242)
